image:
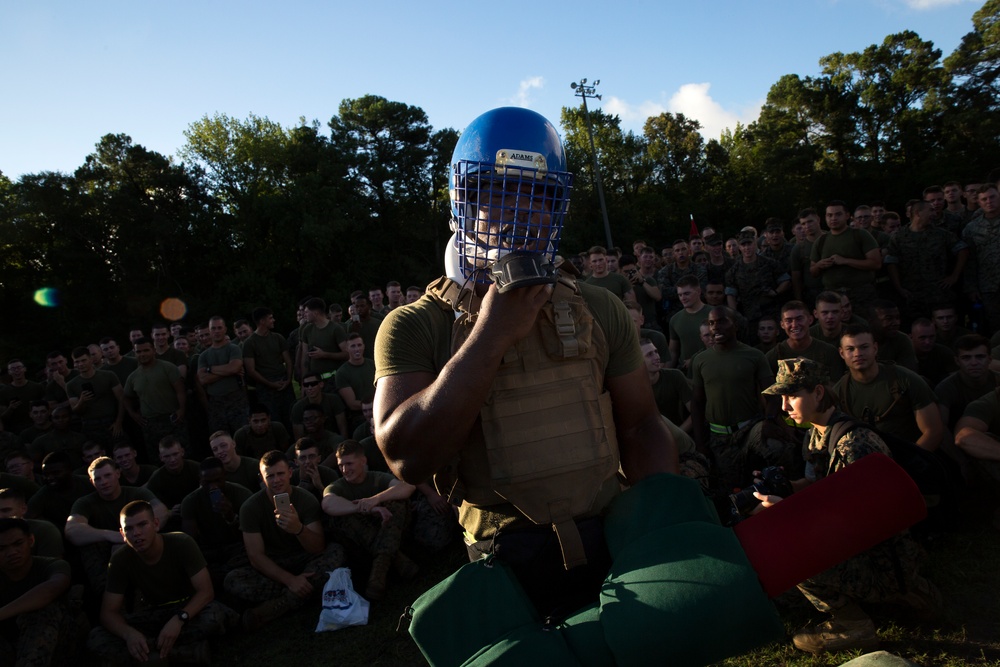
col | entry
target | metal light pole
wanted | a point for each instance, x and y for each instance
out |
(584, 91)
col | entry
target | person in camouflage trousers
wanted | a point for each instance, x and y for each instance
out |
(918, 260)
(37, 620)
(369, 511)
(753, 282)
(887, 572)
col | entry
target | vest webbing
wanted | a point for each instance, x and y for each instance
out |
(547, 440)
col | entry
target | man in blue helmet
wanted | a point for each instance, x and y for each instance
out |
(518, 389)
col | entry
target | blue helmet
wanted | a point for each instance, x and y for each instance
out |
(509, 189)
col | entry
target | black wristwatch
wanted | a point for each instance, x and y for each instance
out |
(184, 616)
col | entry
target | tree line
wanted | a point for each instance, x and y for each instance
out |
(253, 213)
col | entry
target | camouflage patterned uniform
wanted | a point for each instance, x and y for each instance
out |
(431, 530)
(885, 573)
(250, 585)
(213, 620)
(922, 260)
(983, 269)
(37, 634)
(367, 531)
(751, 282)
(783, 257)
(668, 276)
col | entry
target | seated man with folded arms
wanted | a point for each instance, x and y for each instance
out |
(370, 511)
(33, 612)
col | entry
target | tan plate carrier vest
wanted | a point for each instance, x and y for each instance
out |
(547, 443)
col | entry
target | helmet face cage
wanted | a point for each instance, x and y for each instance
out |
(498, 207)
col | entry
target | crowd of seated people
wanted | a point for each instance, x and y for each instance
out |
(201, 482)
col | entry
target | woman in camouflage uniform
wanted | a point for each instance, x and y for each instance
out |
(887, 572)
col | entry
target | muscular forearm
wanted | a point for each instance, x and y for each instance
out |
(37, 598)
(647, 449)
(411, 436)
(82, 534)
(400, 491)
(978, 444)
(198, 601)
(115, 623)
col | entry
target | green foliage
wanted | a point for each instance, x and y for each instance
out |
(256, 213)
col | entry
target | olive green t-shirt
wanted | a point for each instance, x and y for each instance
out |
(104, 514)
(213, 531)
(360, 378)
(168, 581)
(332, 405)
(257, 516)
(220, 356)
(685, 328)
(267, 354)
(48, 539)
(42, 569)
(956, 395)
(851, 243)
(672, 393)
(171, 487)
(255, 446)
(897, 348)
(987, 410)
(416, 338)
(327, 339)
(615, 283)
(125, 367)
(867, 401)
(154, 386)
(104, 404)
(732, 381)
(246, 475)
(374, 482)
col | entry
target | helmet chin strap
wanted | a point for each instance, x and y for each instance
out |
(452, 262)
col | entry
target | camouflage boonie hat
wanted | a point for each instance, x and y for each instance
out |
(798, 373)
(746, 236)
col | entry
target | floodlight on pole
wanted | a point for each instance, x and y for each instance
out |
(584, 91)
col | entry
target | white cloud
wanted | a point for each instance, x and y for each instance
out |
(693, 100)
(632, 115)
(523, 96)
(921, 5)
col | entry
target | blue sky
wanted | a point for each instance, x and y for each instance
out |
(75, 71)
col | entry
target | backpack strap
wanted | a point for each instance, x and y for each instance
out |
(835, 432)
(894, 389)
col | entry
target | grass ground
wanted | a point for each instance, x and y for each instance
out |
(965, 563)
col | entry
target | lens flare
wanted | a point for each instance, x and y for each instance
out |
(173, 309)
(47, 297)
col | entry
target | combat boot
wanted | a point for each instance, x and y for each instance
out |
(376, 580)
(268, 611)
(849, 628)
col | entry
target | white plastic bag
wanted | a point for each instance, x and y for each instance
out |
(342, 606)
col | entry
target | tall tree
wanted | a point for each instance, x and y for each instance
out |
(890, 82)
(676, 147)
